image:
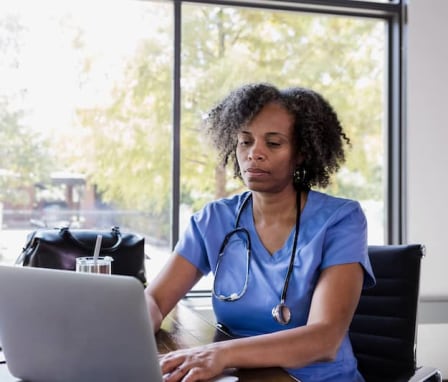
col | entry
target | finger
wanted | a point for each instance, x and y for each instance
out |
(168, 365)
(196, 374)
(175, 375)
(190, 376)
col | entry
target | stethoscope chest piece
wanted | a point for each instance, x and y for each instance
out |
(281, 313)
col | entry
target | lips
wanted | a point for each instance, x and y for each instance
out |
(255, 170)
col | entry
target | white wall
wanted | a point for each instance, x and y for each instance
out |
(427, 176)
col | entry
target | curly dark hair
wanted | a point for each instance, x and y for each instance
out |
(318, 134)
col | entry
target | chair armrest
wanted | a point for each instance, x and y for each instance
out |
(426, 373)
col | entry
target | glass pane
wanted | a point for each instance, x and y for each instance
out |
(85, 118)
(343, 58)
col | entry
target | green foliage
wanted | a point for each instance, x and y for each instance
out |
(24, 156)
(129, 140)
(131, 137)
(124, 145)
(340, 57)
(24, 153)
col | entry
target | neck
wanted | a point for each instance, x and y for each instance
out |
(270, 208)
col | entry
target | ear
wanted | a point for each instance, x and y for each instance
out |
(300, 160)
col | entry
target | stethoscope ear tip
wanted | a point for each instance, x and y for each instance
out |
(232, 297)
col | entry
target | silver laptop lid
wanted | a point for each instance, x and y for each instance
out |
(72, 327)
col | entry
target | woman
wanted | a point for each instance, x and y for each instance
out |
(289, 262)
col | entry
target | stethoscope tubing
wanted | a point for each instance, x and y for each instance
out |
(280, 312)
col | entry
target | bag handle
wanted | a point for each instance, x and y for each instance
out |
(66, 234)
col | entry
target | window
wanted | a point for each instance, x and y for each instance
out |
(101, 102)
(342, 57)
(85, 118)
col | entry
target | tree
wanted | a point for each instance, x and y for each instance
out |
(339, 57)
(129, 138)
(127, 142)
(24, 153)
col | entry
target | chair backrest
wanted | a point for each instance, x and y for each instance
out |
(383, 329)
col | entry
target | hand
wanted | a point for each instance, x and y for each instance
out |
(191, 365)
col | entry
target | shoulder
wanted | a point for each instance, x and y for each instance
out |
(223, 208)
(330, 201)
(328, 204)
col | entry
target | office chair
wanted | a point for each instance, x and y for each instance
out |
(383, 330)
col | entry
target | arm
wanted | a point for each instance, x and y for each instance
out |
(170, 285)
(334, 302)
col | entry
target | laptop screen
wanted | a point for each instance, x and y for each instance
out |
(67, 326)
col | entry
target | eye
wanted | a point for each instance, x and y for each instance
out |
(273, 144)
(244, 141)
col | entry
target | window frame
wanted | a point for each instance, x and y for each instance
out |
(393, 14)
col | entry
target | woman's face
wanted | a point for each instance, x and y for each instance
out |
(265, 151)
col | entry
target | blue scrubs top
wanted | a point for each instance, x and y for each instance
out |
(332, 231)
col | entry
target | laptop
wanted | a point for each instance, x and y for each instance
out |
(63, 326)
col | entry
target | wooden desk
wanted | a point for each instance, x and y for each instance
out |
(192, 323)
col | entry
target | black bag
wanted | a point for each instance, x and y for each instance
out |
(58, 248)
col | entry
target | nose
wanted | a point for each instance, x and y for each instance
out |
(256, 152)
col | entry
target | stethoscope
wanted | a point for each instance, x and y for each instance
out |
(280, 312)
